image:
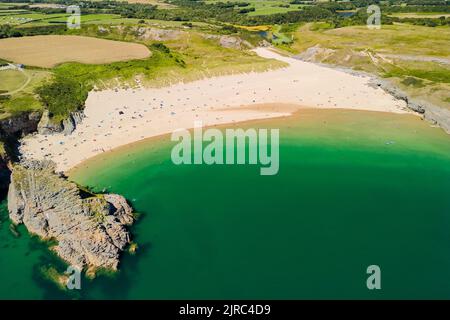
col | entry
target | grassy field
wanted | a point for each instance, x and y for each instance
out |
(7, 5)
(39, 19)
(160, 4)
(48, 51)
(25, 99)
(416, 58)
(265, 7)
(399, 39)
(11, 80)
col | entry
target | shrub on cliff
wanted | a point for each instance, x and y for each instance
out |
(62, 96)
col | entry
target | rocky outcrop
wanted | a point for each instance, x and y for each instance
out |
(70, 124)
(315, 54)
(431, 113)
(4, 169)
(11, 129)
(231, 42)
(156, 34)
(66, 126)
(19, 125)
(234, 42)
(90, 229)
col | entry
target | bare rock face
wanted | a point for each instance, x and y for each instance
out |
(4, 169)
(20, 125)
(431, 113)
(234, 43)
(66, 126)
(157, 34)
(315, 54)
(90, 229)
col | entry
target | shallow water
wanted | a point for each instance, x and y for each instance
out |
(354, 189)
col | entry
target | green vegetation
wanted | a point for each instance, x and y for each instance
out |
(262, 7)
(398, 39)
(431, 74)
(11, 80)
(21, 103)
(15, 98)
(62, 96)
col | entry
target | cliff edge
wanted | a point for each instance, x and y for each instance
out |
(90, 229)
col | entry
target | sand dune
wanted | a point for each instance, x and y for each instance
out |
(118, 117)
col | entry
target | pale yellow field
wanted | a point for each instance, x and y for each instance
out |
(48, 51)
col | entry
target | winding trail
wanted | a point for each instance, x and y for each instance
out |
(22, 87)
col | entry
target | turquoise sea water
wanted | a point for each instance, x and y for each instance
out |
(354, 189)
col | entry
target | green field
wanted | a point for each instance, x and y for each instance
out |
(20, 87)
(11, 80)
(5, 5)
(265, 7)
(39, 19)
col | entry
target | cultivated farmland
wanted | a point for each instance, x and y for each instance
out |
(48, 51)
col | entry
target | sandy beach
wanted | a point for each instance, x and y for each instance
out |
(118, 117)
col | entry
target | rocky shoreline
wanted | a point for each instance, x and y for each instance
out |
(90, 229)
(433, 114)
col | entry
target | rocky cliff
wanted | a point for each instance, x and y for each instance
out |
(90, 229)
(11, 129)
(431, 113)
(19, 125)
(4, 170)
(67, 126)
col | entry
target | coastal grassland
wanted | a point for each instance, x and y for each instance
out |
(11, 80)
(186, 59)
(206, 58)
(24, 98)
(398, 39)
(183, 54)
(50, 50)
(416, 58)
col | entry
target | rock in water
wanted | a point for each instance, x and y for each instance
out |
(90, 228)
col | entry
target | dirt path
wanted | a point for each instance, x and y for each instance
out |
(22, 87)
